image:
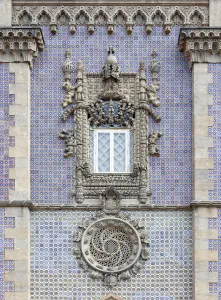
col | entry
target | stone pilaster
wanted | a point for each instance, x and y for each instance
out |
(214, 13)
(201, 141)
(18, 47)
(21, 132)
(204, 253)
(6, 13)
(202, 46)
(20, 254)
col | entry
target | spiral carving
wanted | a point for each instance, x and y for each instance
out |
(111, 245)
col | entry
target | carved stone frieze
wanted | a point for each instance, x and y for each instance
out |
(201, 44)
(110, 99)
(111, 247)
(110, 16)
(20, 44)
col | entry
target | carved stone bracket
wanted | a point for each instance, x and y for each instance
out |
(20, 44)
(110, 16)
(201, 45)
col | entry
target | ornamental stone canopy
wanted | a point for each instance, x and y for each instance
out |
(20, 44)
(201, 45)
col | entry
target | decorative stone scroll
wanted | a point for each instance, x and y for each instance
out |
(201, 44)
(106, 100)
(20, 44)
(111, 247)
(110, 16)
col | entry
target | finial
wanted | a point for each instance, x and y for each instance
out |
(155, 65)
(67, 67)
(111, 68)
(111, 59)
(142, 66)
(67, 54)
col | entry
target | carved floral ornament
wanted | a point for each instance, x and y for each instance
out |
(110, 16)
(111, 246)
(111, 100)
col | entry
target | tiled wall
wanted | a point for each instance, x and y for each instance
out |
(170, 174)
(166, 276)
(5, 121)
(215, 131)
(5, 243)
(218, 267)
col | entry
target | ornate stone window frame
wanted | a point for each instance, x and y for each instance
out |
(85, 102)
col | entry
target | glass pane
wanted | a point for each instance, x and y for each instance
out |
(103, 152)
(119, 152)
(131, 151)
(91, 150)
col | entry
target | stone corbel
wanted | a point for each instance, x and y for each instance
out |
(201, 45)
(20, 44)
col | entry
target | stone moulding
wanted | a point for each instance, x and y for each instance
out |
(111, 16)
(20, 44)
(201, 45)
(130, 207)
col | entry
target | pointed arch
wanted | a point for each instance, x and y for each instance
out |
(139, 18)
(63, 18)
(44, 18)
(196, 18)
(177, 18)
(82, 18)
(120, 18)
(158, 18)
(25, 18)
(101, 18)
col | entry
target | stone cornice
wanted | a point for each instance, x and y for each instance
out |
(20, 44)
(111, 2)
(201, 45)
(35, 206)
(110, 16)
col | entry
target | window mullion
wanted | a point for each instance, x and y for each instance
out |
(95, 151)
(111, 151)
(127, 152)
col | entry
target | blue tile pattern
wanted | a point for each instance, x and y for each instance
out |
(170, 174)
(5, 78)
(166, 276)
(215, 130)
(213, 266)
(212, 223)
(5, 265)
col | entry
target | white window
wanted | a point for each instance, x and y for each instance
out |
(111, 150)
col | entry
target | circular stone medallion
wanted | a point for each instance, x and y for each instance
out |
(111, 245)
